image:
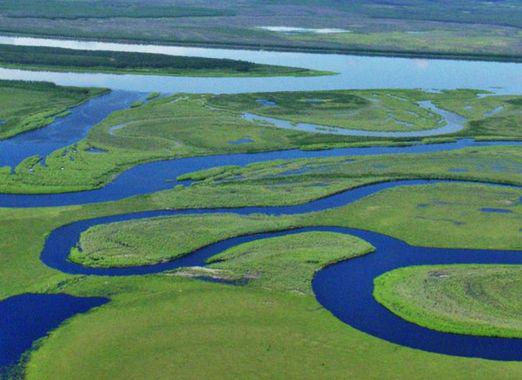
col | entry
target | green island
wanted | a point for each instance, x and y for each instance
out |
(462, 299)
(269, 324)
(69, 60)
(27, 106)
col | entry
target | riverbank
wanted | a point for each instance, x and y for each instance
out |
(85, 61)
(369, 52)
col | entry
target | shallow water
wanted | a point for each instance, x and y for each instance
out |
(452, 123)
(241, 141)
(494, 111)
(292, 30)
(496, 210)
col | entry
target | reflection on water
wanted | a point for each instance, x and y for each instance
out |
(355, 72)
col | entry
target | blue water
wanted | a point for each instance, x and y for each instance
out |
(28, 317)
(344, 288)
(266, 102)
(241, 141)
(65, 130)
(496, 210)
(161, 175)
(452, 123)
(62, 239)
(95, 150)
(355, 72)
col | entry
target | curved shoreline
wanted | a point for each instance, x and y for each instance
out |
(338, 287)
(344, 288)
(330, 284)
(162, 175)
(65, 130)
(453, 123)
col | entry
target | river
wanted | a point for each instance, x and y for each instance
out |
(337, 287)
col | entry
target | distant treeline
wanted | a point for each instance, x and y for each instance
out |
(58, 57)
(60, 9)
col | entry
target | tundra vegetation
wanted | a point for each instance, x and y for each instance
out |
(464, 299)
(271, 324)
(464, 28)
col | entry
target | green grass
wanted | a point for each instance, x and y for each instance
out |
(442, 215)
(190, 319)
(392, 110)
(149, 241)
(431, 40)
(289, 262)
(449, 216)
(69, 60)
(73, 10)
(26, 106)
(464, 299)
(160, 327)
(272, 326)
(487, 164)
(188, 125)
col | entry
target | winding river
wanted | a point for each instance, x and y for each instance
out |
(345, 288)
(451, 123)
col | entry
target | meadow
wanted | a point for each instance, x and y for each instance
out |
(269, 325)
(463, 299)
(280, 317)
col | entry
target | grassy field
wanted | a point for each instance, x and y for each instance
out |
(271, 326)
(488, 164)
(273, 317)
(288, 263)
(190, 329)
(73, 10)
(57, 59)
(464, 299)
(141, 242)
(26, 106)
(464, 28)
(188, 125)
(424, 213)
(443, 215)
(367, 110)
